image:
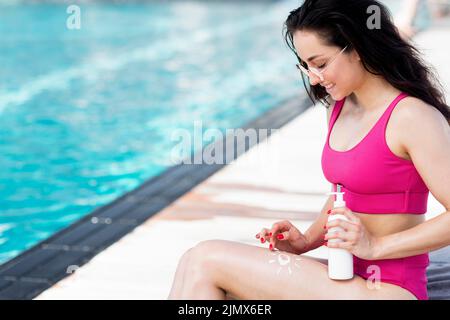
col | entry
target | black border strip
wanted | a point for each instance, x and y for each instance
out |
(40, 267)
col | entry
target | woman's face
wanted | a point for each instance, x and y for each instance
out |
(343, 73)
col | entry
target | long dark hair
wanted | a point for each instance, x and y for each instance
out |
(382, 50)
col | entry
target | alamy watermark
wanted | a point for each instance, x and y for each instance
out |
(374, 20)
(373, 281)
(73, 21)
(214, 146)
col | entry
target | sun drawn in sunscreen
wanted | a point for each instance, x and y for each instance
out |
(284, 262)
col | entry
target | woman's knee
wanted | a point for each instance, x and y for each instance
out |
(208, 247)
(184, 259)
(204, 255)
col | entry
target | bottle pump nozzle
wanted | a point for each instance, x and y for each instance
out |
(339, 200)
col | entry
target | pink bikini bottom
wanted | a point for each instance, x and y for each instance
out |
(408, 272)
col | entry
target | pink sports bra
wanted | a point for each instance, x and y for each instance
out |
(374, 179)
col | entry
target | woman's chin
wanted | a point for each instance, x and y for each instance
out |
(336, 96)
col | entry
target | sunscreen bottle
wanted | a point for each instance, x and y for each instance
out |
(340, 261)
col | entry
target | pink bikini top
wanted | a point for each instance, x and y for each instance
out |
(374, 179)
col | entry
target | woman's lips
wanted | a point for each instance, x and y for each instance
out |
(330, 88)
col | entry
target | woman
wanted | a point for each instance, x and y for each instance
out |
(388, 145)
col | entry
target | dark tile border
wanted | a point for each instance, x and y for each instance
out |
(43, 265)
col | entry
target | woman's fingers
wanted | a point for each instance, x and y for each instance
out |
(344, 236)
(263, 235)
(347, 225)
(283, 236)
(346, 212)
(280, 226)
(278, 232)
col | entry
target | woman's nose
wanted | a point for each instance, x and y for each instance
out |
(313, 79)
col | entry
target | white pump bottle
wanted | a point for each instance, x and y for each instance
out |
(340, 261)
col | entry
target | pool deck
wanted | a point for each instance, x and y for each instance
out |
(278, 179)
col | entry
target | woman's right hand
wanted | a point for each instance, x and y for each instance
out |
(284, 236)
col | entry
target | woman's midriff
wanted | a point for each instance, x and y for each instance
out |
(408, 272)
(380, 225)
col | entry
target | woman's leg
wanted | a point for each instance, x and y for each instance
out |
(179, 276)
(181, 271)
(195, 282)
(219, 267)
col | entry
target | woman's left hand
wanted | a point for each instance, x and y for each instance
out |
(355, 237)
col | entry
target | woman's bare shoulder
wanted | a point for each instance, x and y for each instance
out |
(412, 109)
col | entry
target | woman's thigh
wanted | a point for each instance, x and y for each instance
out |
(252, 272)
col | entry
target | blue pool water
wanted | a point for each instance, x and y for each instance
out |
(87, 115)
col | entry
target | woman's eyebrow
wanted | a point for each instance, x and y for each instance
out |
(313, 57)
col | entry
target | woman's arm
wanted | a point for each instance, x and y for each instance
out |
(315, 232)
(428, 236)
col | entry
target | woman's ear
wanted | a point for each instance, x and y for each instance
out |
(356, 55)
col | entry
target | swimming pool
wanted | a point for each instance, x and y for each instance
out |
(87, 115)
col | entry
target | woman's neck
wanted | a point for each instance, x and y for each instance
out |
(372, 94)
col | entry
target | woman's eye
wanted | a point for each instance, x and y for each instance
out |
(320, 67)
